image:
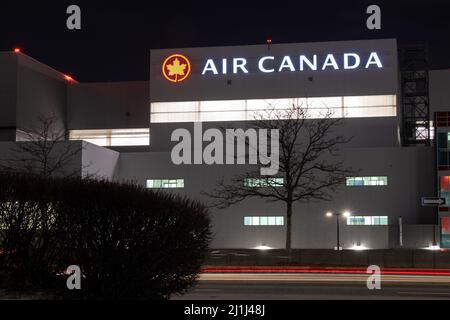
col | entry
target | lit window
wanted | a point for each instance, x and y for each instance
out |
(113, 137)
(263, 182)
(264, 221)
(245, 110)
(367, 221)
(165, 183)
(279, 221)
(366, 181)
(422, 131)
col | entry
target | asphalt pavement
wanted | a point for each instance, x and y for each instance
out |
(280, 286)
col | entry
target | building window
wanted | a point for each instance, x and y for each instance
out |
(366, 181)
(443, 144)
(264, 221)
(367, 221)
(263, 182)
(113, 137)
(422, 130)
(165, 183)
(251, 109)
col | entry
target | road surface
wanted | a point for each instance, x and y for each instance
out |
(266, 286)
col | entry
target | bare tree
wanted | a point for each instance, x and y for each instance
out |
(308, 163)
(44, 150)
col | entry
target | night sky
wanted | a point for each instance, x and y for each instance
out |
(116, 36)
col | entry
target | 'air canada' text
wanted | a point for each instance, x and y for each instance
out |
(269, 64)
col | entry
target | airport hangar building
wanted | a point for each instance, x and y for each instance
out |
(394, 109)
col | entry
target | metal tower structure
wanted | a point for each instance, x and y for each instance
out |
(415, 127)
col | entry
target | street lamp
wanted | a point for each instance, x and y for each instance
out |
(346, 214)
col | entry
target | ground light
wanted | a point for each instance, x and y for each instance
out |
(358, 247)
(17, 50)
(433, 247)
(263, 247)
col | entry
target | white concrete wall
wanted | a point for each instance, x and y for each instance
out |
(109, 105)
(409, 170)
(11, 156)
(373, 132)
(29, 89)
(99, 162)
(8, 95)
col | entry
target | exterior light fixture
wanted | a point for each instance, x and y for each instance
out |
(433, 247)
(345, 214)
(17, 50)
(68, 78)
(358, 247)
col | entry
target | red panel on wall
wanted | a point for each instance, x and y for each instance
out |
(445, 183)
(445, 224)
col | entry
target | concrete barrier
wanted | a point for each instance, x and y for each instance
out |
(389, 258)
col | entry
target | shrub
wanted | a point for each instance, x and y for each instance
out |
(129, 242)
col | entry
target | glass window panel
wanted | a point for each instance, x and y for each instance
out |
(264, 221)
(165, 183)
(263, 182)
(271, 221)
(235, 110)
(247, 221)
(367, 220)
(442, 158)
(367, 181)
(113, 137)
(350, 181)
(279, 221)
(255, 221)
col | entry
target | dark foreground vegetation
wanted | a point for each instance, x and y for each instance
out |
(129, 242)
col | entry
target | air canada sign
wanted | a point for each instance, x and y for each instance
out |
(273, 64)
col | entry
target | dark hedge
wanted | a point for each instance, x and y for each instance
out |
(130, 242)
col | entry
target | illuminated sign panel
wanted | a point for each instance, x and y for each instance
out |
(321, 69)
(176, 68)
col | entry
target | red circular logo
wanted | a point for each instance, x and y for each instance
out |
(176, 68)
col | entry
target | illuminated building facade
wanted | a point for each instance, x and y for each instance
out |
(127, 128)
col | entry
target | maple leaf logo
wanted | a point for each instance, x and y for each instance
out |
(176, 68)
